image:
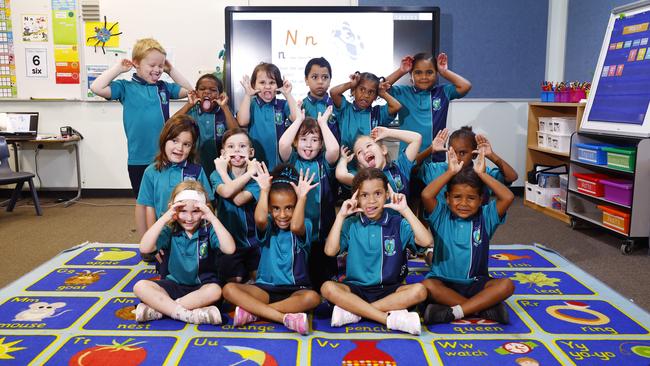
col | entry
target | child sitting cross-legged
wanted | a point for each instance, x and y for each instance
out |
(458, 282)
(376, 240)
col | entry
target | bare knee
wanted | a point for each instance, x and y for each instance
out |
(228, 290)
(141, 286)
(419, 292)
(328, 289)
(213, 291)
(310, 299)
(506, 286)
(433, 287)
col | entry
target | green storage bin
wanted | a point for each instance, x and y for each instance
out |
(621, 158)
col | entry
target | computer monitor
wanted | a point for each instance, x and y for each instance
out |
(19, 124)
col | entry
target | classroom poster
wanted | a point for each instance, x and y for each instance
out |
(66, 61)
(7, 59)
(64, 27)
(99, 35)
(36, 62)
(34, 28)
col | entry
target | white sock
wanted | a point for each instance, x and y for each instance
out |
(458, 312)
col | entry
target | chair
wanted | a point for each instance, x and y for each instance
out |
(8, 176)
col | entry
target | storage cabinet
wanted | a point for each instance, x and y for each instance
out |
(547, 145)
(619, 198)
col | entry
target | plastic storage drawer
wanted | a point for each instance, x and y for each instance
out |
(618, 190)
(621, 158)
(615, 219)
(589, 183)
(592, 153)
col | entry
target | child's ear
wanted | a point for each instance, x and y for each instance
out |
(251, 152)
(384, 149)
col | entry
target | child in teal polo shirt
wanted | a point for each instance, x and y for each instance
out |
(376, 242)
(425, 104)
(370, 152)
(266, 116)
(309, 145)
(191, 233)
(282, 291)
(208, 106)
(318, 75)
(360, 116)
(458, 281)
(237, 195)
(145, 100)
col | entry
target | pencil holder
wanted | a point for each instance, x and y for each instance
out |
(548, 96)
(562, 96)
(576, 95)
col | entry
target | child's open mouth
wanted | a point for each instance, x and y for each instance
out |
(370, 160)
(206, 104)
(237, 160)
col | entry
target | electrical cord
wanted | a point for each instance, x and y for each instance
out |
(82, 203)
(40, 182)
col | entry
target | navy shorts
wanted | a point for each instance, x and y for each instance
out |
(136, 172)
(239, 264)
(176, 290)
(371, 294)
(279, 293)
(468, 290)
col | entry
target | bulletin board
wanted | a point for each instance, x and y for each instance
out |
(619, 102)
(53, 33)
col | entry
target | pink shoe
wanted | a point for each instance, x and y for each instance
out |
(296, 322)
(242, 317)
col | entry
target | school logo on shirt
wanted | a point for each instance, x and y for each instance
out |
(436, 104)
(220, 129)
(203, 250)
(389, 247)
(278, 119)
(398, 182)
(163, 97)
(476, 235)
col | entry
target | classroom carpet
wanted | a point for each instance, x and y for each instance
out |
(76, 309)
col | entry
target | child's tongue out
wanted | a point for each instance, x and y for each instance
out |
(206, 105)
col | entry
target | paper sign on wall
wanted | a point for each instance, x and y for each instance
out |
(36, 61)
(34, 28)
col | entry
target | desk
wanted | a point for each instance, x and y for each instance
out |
(53, 143)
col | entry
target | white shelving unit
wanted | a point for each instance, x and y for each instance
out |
(582, 207)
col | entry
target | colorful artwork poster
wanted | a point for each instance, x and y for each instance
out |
(99, 35)
(113, 351)
(493, 352)
(64, 27)
(35, 28)
(7, 58)
(66, 63)
(623, 96)
(601, 352)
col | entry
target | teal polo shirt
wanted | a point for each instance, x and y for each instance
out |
(283, 256)
(354, 122)
(398, 173)
(145, 108)
(190, 262)
(212, 126)
(268, 121)
(424, 111)
(157, 186)
(429, 171)
(239, 220)
(376, 249)
(313, 106)
(461, 251)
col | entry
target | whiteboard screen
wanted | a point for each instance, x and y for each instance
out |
(350, 38)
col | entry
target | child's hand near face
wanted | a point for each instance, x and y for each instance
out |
(246, 84)
(304, 184)
(206, 211)
(484, 146)
(441, 61)
(192, 97)
(285, 88)
(350, 206)
(221, 163)
(222, 99)
(252, 167)
(479, 163)
(262, 177)
(167, 68)
(126, 65)
(407, 64)
(383, 88)
(397, 201)
(438, 143)
(347, 155)
(453, 165)
(323, 118)
(379, 133)
(354, 80)
(172, 213)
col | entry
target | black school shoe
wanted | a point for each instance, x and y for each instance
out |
(497, 313)
(436, 313)
(148, 257)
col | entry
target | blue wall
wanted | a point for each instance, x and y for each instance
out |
(499, 46)
(587, 22)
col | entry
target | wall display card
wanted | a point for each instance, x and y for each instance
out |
(35, 28)
(7, 57)
(36, 62)
(66, 62)
(64, 27)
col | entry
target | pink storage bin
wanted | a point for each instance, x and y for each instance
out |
(618, 190)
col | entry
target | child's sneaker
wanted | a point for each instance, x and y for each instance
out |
(206, 315)
(296, 322)
(408, 322)
(498, 313)
(144, 313)
(437, 313)
(242, 317)
(342, 317)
